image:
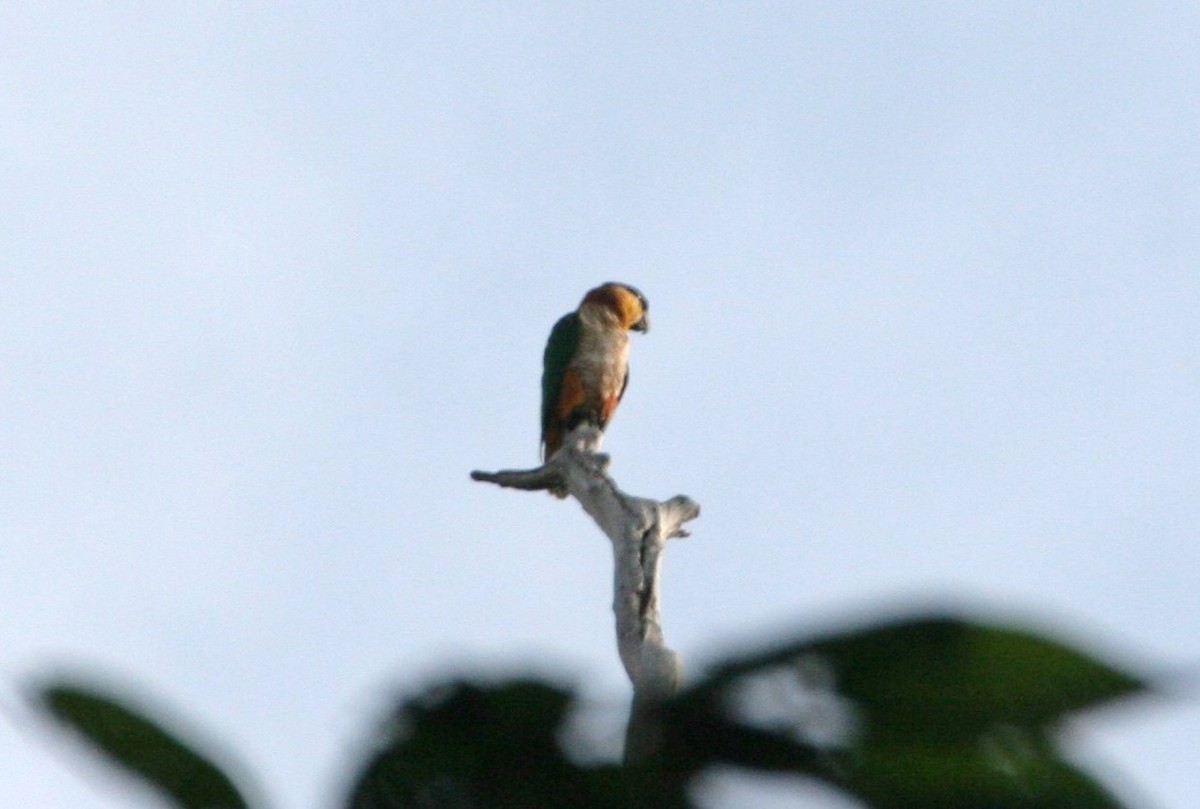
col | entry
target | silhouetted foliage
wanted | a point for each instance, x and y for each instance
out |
(143, 747)
(932, 712)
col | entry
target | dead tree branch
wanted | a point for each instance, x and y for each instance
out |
(638, 528)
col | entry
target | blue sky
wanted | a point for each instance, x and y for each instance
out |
(277, 277)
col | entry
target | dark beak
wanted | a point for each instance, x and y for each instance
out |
(643, 325)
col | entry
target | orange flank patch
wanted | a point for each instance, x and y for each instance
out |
(607, 407)
(573, 404)
(572, 396)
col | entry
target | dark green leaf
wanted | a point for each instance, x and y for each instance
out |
(465, 744)
(143, 747)
(942, 679)
(934, 712)
(1017, 772)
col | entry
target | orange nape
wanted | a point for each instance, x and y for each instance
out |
(624, 301)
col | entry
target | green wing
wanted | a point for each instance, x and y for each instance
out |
(560, 348)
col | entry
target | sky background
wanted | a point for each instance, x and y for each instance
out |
(276, 277)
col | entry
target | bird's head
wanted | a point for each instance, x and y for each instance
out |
(623, 304)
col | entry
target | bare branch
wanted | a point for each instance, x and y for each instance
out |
(638, 528)
(530, 480)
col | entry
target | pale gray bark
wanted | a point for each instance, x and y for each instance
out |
(638, 529)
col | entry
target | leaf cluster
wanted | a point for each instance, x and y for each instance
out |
(930, 712)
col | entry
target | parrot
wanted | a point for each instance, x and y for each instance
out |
(585, 368)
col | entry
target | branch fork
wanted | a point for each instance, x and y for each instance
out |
(638, 528)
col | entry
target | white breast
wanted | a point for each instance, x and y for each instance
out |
(603, 358)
